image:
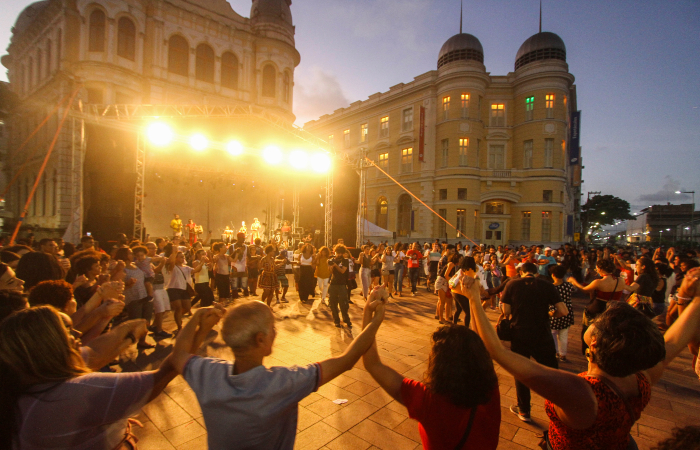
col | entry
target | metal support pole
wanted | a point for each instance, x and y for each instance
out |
(362, 202)
(295, 210)
(329, 211)
(140, 185)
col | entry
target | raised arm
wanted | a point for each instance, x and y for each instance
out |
(389, 379)
(589, 287)
(193, 334)
(685, 329)
(572, 396)
(333, 367)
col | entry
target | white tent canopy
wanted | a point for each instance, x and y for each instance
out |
(371, 230)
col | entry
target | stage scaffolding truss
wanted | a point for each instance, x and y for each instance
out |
(122, 117)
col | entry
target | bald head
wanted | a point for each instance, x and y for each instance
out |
(243, 322)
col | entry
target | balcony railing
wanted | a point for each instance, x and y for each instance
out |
(501, 173)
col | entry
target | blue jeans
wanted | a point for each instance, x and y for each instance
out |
(398, 279)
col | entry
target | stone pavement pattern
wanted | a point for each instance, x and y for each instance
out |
(371, 419)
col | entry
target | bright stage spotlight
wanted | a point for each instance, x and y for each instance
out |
(160, 134)
(273, 155)
(299, 159)
(199, 142)
(234, 148)
(321, 162)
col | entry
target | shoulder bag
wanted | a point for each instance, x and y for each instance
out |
(504, 330)
(465, 436)
(188, 286)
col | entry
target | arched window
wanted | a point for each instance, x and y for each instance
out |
(59, 43)
(48, 57)
(403, 227)
(54, 191)
(286, 88)
(178, 55)
(382, 212)
(97, 31)
(268, 81)
(229, 70)
(31, 73)
(204, 63)
(126, 39)
(39, 71)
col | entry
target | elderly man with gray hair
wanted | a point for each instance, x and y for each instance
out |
(245, 404)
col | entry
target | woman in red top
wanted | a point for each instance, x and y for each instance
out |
(596, 409)
(459, 402)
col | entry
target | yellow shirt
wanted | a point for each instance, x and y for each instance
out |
(176, 225)
(322, 270)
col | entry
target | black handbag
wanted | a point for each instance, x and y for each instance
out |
(504, 330)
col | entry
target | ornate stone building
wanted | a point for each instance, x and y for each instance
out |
(487, 152)
(134, 52)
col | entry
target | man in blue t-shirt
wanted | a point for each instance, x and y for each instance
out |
(245, 404)
(544, 261)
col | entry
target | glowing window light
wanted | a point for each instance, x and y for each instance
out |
(321, 163)
(299, 159)
(160, 134)
(199, 142)
(273, 155)
(234, 148)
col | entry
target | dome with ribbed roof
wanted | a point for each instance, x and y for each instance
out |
(28, 15)
(461, 47)
(275, 11)
(541, 46)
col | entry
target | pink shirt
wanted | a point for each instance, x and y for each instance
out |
(85, 412)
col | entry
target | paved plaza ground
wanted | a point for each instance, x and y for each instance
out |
(371, 419)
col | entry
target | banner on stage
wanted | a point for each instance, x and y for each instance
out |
(574, 138)
(421, 135)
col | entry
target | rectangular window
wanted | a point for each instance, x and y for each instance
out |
(463, 148)
(561, 196)
(408, 119)
(407, 160)
(442, 194)
(330, 140)
(498, 115)
(441, 223)
(548, 152)
(478, 153)
(547, 196)
(549, 105)
(363, 132)
(529, 108)
(496, 157)
(461, 193)
(527, 154)
(525, 226)
(445, 152)
(465, 106)
(478, 112)
(445, 108)
(461, 222)
(346, 138)
(546, 226)
(384, 127)
(383, 161)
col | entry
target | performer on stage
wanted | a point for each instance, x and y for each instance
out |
(286, 231)
(191, 229)
(227, 235)
(243, 229)
(176, 225)
(255, 230)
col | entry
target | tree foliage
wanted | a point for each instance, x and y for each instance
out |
(604, 210)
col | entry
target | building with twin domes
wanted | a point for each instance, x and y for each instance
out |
(489, 153)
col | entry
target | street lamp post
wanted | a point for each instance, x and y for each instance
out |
(692, 216)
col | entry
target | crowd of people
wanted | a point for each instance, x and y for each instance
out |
(67, 313)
